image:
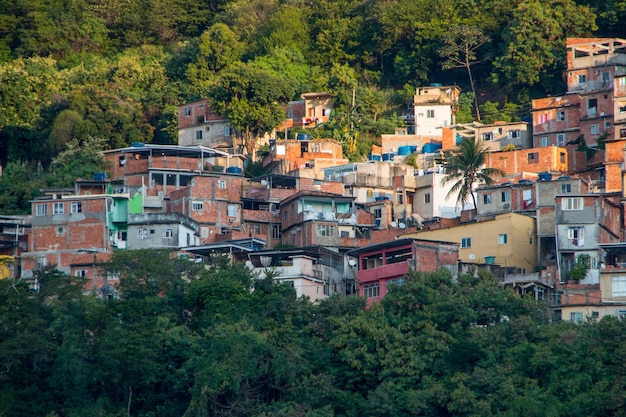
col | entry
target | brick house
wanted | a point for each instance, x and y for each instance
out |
(384, 264)
(70, 229)
(198, 125)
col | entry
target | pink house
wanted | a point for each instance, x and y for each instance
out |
(384, 264)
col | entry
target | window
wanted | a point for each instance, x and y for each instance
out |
(59, 208)
(533, 157)
(41, 262)
(167, 233)
(187, 111)
(400, 198)
(618, 286)
(325, 230)
(544, 141)
(560, 116)
(515, 134)
(255, 229)
(572, 203)
(505, 196)
(502, 239)
(427, 198)
(560, 139)
(41, 210)
(232, 210)
(595, 130)
(562, 157)
(60, 231)
(622, 104)
(142, 234)
(198, 134)
(276, 232)
(592, 106)
(576, 235)
(227, 131)
(378, 213)
(197, 206)
(430, 114)
(582, 78)
(466, 242)
(487, 136)
(621, 314)
(77, 207)
(487, 199)
(605, 76)
(543, 118)
(221, 184)
(371, 290)
(621, 81)
(576, 316)
(395, 281)
(566, 188)
(82, 273)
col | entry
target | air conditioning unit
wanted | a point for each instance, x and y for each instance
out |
(506, 206)
(231, 220)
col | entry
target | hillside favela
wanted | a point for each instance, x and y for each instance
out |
(313, 209)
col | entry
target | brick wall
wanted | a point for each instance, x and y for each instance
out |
(544, 159)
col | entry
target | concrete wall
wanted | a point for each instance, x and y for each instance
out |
(520, 250)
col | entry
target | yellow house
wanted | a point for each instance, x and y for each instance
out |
(6, 263)
(508, 240)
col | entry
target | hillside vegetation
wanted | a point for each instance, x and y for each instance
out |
(187, 341)
(109, 73)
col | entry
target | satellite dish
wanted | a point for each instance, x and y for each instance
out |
(352, 262)
(471, 256)
(402, 225)
(393, 224)
(263, 183)
(249, 265)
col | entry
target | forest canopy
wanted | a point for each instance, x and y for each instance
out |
(116, 70)
(185, 340)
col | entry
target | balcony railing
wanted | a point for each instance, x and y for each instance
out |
(383, 272)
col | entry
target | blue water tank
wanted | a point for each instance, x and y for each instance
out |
(138, 144)
(387, 157)
(303, 136)
(413, 149)
(377, 222)
(545, 176)
(431, 147)
(375, 157)
(234, 170)
(100, 176)
(404, 150)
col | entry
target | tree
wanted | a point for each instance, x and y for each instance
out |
(252, 98)
(19, 184)
(466, 170)
(79, 159)
(533, 49)
(218, 48)
(459, 49)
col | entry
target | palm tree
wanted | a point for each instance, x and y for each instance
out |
(466, 170)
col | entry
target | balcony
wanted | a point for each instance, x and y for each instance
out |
(341, 218)
(383, 272)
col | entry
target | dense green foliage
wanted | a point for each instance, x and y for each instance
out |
(185, 340)
(115, 70)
